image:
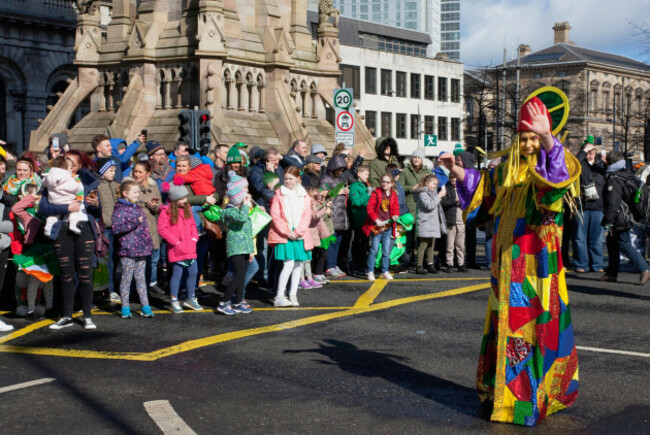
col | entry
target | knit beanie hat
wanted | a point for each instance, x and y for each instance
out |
(104, 164)
(268, 177)
(458, 148)
(233, 155)
(153, 146)
(418, 153)
(176, 190)
(318, 148)
(236, 186)
(195, 162)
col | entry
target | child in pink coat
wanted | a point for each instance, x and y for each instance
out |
(176, 225)
(289, 234)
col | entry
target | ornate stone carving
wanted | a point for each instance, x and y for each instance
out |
(87, 6)
(326, 10)
(210, 34)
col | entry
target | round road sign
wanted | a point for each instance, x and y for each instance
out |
(342, 99)
(345, 121)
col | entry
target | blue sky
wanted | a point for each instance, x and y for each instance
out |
(489, 26)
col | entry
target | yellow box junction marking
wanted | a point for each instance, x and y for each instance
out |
(363, 305)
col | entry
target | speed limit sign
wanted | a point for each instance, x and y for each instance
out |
(343, 98)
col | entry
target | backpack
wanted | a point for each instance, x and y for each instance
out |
(636, 201)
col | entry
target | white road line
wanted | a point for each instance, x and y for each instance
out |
(26, 385)
(162, 413)
(618, 352)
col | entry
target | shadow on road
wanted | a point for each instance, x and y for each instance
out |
(368, 363)
(594, 291)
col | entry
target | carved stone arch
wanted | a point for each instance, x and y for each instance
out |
(594, 84)
(239, 85)
(228, 88)
(606, 85)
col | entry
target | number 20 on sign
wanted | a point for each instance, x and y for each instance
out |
(343, 98)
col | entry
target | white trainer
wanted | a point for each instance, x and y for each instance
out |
(371, 276)
(387, 275)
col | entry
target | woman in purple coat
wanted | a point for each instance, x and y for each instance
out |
(133, 245)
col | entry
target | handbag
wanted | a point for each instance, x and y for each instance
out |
(259, 219)
(590, 191)
(213, 229)
(102, 243)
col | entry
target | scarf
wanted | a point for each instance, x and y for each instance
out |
(294, 202)
(160, 172)
(13, 184)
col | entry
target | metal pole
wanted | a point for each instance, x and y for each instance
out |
(614, 122)
(517, 89)
(498, 109)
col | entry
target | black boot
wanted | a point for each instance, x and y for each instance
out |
(431, 268)
(420, 270)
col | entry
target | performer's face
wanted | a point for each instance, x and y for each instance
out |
(528, 143)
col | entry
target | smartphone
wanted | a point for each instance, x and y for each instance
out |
(92, 194)
(144, 133)
(55, 143)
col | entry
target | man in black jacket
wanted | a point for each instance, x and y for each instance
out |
(588, 241)
(618, 237)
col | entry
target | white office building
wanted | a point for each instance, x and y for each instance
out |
(401, 92)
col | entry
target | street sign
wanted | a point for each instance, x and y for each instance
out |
(344, 120)
(430, 140)
(345, 138)
(344, 128)
(343, 98)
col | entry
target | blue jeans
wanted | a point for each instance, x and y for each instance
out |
(190, 282)
(333, 251)
(152, 266)
(620, 241)
(588, 241)
(196, 209)
(386, 245)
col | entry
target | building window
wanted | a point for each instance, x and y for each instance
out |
(442, 88)
(455, 129)
(371, 80)
(415, 86)
(592, 101)
(429, 87)
(562, 74)
(415, 127)
(428, 125)
(605, 101)
(442, 128)
(400, 124)
(371, 121)
(455, 91)
(386, 82)
(386, 124)
(351, 78)
(400, 82)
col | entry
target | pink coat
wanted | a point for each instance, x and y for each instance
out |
(181, 238)
(279, 231)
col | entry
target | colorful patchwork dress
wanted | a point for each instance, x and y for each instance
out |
(528, 366)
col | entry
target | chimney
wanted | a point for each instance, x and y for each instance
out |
(561, 33)
(524, 50)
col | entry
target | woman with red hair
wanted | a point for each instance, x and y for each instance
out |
(76, 251)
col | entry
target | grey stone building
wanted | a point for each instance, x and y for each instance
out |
(36, 60)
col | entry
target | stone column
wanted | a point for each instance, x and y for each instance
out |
(167, 80)
(110, 82)
(102, 96)
(261, 91)
(178, 79)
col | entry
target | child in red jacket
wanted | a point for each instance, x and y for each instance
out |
(383, 212)
(199, 177)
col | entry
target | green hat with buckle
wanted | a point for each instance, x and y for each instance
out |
(406, 220)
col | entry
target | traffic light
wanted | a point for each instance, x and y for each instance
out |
(187, 127)
(203, 119)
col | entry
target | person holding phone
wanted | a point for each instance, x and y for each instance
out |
(150, 201)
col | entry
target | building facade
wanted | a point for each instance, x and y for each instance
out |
(36, 62)
(401, 95)
(252, 63)
(609, 95)
(421, 15)
(450, 28)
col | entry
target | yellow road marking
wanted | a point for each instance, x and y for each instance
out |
(398, 280)
(366, 299)
(220, 338)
